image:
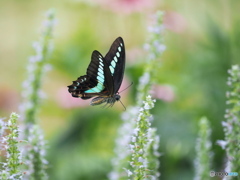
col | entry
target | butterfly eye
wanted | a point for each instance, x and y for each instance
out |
(117, 97)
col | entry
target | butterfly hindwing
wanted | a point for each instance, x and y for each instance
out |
(95, 82)
(81, 85)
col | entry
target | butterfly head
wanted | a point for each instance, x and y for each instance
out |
(117, 97)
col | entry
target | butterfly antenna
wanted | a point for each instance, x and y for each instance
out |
(122, 105)
(125, 88)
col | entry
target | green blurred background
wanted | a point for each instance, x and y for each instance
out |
(202, 39)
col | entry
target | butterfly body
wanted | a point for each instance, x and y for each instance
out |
(104, 76)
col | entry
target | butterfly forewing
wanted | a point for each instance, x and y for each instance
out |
(116, 62)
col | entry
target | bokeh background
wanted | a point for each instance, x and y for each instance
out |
(202, 39)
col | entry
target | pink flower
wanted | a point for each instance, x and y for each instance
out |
(65, 99)
(163, 92)
(125, 84)
(9, 99)
(175, 22)
(134, 54)
(127, 6)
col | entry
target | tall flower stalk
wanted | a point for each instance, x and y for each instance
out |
(35, 151)
(137, 144)
(37, 66)
(143, 140)
(154, 47)
(9, 142)
(35, 155)
(203, 150)
(120, 163)
(232, 123)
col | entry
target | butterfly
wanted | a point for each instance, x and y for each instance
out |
(103, 78)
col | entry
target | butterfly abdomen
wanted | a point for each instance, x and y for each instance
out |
(98, 100)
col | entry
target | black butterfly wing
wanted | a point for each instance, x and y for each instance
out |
(115, 59)
(79, 86)
(94, 83)
(99, 70)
